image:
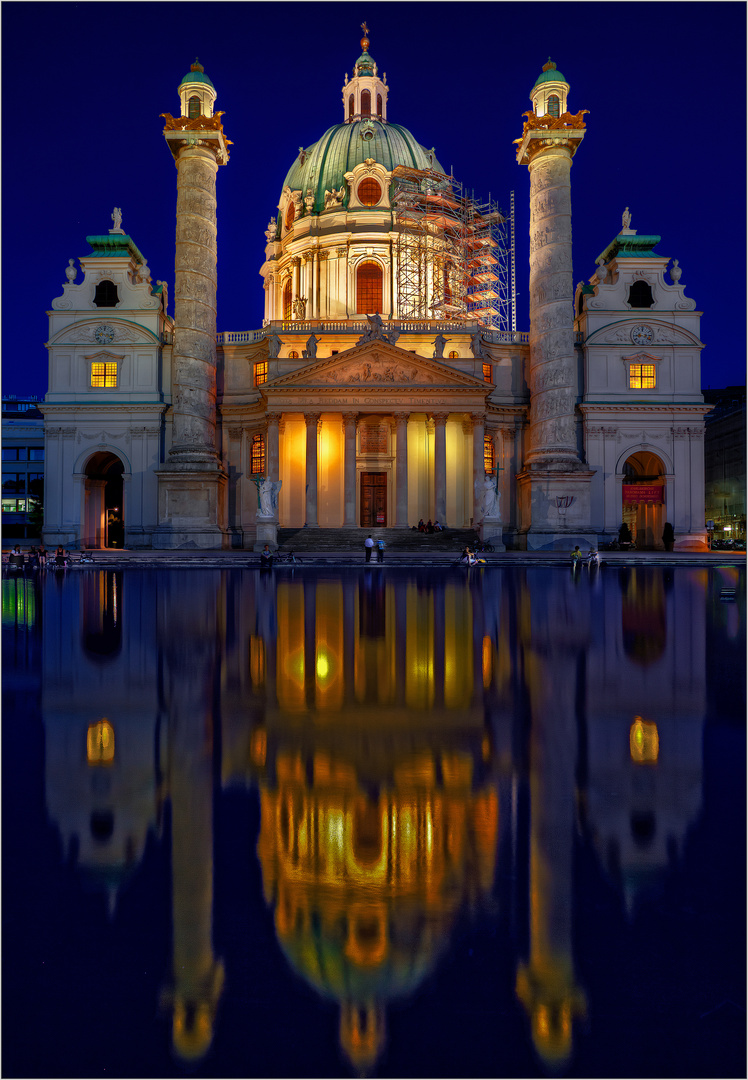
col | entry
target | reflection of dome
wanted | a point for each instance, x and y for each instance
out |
(324, 164)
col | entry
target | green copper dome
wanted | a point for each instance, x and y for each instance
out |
(323, 165)
(550, 73)
(196, 74)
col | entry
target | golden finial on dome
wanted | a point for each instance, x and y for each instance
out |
(365, 38)
(197, 66)
(550, 66)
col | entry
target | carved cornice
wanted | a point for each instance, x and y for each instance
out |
(197, 123)
(553, 123)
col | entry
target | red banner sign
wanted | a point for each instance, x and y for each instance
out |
(636, 493)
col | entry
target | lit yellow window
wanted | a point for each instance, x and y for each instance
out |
(103, 374)
(261, 373)
(641, 376)
(487, 373)
(258, 455)
(487, 454)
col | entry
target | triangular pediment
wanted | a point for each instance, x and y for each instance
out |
(377, 364)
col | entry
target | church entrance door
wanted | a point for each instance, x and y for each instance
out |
(373, 500)
(103, 519)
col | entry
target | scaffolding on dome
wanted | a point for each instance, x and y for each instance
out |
(453, 261)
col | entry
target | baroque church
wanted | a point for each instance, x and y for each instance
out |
(388, 383)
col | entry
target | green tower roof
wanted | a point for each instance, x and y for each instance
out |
(196, 74)
(550, 73)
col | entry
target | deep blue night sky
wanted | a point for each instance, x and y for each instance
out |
(83, 86)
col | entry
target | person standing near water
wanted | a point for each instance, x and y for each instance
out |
(368, 544)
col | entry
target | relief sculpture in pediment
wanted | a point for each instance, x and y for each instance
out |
(374, 371)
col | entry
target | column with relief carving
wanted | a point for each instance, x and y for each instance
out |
(349, 470)
(479, 467)
(401, 471)
(312, 426)
(440, 467)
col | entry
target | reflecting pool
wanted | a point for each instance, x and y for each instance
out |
(401, 823)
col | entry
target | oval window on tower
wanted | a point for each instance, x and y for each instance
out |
(369, 192)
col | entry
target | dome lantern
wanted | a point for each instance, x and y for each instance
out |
(548, 95)
(366, 94)
(197, 94)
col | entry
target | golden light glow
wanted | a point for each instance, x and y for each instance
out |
(644, 742)
(257, 660)
(100, 743)
(259, 746)
(487, 662)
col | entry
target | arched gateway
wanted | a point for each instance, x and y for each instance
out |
(103, 521)
(643, 498)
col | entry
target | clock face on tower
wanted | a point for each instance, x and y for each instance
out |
(642, 335)
(104, 334)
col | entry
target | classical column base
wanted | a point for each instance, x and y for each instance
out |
(691, 542)
(554, 509)
(490, 531)
(267, 533)
(191, 508)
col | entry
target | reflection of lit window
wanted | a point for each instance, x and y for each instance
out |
(641, 376)
(644, 742)
(257, 660)
(487, 662)
(100, 743)
(259, 746)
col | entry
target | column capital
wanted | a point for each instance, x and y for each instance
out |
(401, 417)
(273, 418)
(440, 417)
(311, 418)
(350, 417)
(236, 432)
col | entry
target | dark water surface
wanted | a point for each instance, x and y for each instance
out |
(300, 823)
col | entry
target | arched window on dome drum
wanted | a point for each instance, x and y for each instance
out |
(454, 355)
(290, 215)
(366, 103)
(369, 288)
(369, 192)
(487, 453)
(379, 104)
(350, 107)
(287, 309)
(193, 109)
(553, 105)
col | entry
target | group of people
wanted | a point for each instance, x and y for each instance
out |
(469, 558)
(430, 527)
(577, 557)
(38, 558)
(370, 544)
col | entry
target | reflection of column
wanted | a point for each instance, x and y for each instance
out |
(349, 470)
(440, 467)
(273, 465)
(401, 471)
(197, 975)
(312, 422)
(546, 985)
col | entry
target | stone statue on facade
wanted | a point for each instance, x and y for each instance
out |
(374, 331)
(626, 219)
(299, 307)
(675, 272)
(334, 197)
(117, 219)
(309, 200)
(271, 230)
(70, 271)
(476, 344)
(267, 492)
(439, 342)
(491, 499)
(274, 345)
(392, 336)
(164, 295)
(310, 352)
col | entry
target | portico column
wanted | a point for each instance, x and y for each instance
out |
(349, 470)
(401, 471)
(273, 462)
(312, 424)
(479, 466)
(440, 467)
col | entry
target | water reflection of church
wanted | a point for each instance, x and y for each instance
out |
(391, 726)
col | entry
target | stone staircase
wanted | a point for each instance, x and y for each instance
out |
(407, 541)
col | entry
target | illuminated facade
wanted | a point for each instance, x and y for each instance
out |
(386, 378)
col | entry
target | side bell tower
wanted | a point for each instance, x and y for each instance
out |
(192, 482)
(554, 486)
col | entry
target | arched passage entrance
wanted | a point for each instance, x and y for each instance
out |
(644, 498)
(103, 514)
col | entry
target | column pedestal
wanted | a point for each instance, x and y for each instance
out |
(554, 509)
